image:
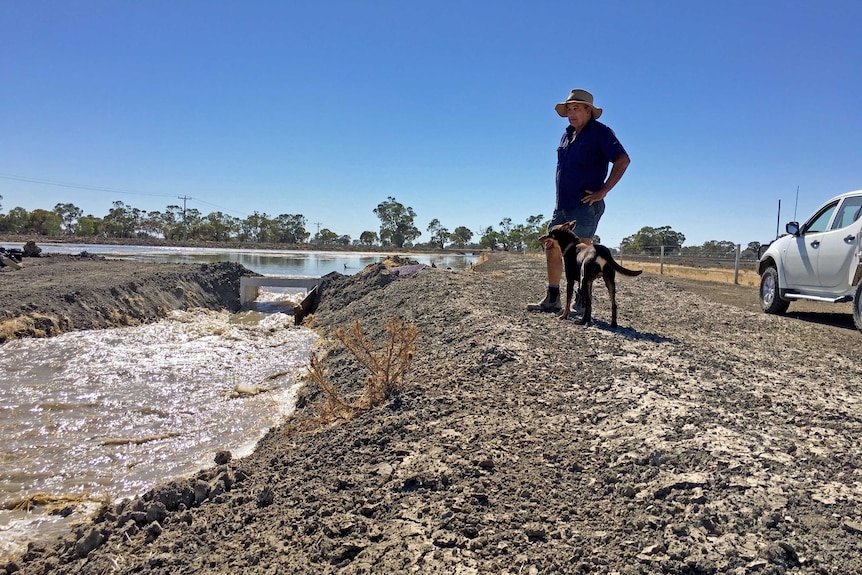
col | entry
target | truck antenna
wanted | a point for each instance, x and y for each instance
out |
(778, 221)
(797, 203)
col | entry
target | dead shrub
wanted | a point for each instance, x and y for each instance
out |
(51, 504)
(32, 325)
(387, 366)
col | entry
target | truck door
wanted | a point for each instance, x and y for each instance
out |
(800, 259)
(839, 247)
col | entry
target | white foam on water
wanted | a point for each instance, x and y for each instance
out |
(110, 413)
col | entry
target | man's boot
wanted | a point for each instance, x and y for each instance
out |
(578, 305)
(551, 303)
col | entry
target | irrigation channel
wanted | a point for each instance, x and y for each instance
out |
(110, 413)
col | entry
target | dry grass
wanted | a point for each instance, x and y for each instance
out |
(50, 503)
(31, 325)
(746, 277)
(10, 328)
(387, 366)
(719, 275)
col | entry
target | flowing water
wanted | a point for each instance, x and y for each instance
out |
(110, 413)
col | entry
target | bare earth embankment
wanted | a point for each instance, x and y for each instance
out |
(699, 437)
(60, 293)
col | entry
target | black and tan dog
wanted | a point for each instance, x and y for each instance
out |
(584, 263)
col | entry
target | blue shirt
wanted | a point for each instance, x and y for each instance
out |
(583, 164)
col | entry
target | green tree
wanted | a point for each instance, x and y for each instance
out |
(752, 251)
(151, 225)
(90, 226)
(649, 240)
(171, 222)
(44, 223)
(518, 237)
(367, 238)
(222, 226)
(504, 236)
(461, 237)
(535, 227)
(512, 237)
(68, 214)
(491, 238)
(396, 223)
(192, 222)
(256, 227)
(122, 221)
(439, 234)
(326, 237)
(17, 220)
(718, 248)
(290, 229)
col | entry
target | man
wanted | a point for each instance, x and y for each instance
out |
(586, 150)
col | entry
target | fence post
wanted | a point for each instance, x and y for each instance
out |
(661, 262)
(736, 266)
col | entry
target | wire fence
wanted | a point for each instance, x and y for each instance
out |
(664, 259)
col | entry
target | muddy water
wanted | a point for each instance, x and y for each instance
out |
(110, 413)
(266, 262)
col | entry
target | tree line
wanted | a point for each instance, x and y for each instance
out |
(653, 241)
(397, 229)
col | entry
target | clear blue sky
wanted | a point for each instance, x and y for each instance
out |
(325, 109)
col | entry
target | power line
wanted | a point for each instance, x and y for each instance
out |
(111, 190)
(79, 186)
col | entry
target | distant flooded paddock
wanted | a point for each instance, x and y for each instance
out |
(266, 262)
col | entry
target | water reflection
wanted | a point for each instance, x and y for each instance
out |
(266, 262)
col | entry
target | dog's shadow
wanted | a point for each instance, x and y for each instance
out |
(627, 332)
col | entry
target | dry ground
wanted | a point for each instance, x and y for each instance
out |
(702, 436)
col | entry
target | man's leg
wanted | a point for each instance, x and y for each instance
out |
(554, 259)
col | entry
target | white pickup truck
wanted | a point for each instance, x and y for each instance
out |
(821, 260)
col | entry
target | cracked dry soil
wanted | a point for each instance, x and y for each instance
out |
(701, 436)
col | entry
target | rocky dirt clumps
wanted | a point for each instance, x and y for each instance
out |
(698, 437)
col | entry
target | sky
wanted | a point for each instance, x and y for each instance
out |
(327, 109)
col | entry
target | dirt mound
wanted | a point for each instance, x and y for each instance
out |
(696, 438)
(58, 293)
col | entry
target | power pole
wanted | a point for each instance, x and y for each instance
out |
(185, 223)
(317, 237)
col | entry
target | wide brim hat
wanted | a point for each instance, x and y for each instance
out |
(581, 97)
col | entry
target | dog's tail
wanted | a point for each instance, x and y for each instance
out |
(625, 271)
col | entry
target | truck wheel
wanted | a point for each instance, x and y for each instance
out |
(857, 307)
(770, 298)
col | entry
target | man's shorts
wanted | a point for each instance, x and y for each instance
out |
(587, 217)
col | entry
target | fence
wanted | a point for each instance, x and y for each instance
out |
(736, 267)
(671, 261)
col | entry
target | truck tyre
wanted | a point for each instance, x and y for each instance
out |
(770, 292)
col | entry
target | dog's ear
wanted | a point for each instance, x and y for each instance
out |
(569, 225)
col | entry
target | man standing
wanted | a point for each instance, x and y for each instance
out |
(586, 150)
